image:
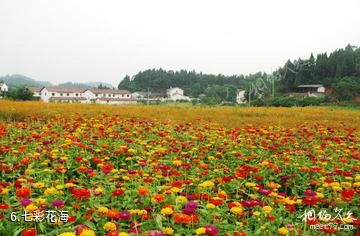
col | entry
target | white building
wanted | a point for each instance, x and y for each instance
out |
(72, 95)
(311, 90)
(176, 94)
(35, 90)
(240, 96)
(3, 87)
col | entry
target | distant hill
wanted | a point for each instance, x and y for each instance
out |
(20, 81)
(85, 85)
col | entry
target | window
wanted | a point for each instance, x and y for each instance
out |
(114, 95)
(53, 94)
(61, 94)
(77, 95)
(96, 94)
(68, 94)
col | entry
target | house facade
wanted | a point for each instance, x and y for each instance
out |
(36, 90)
(3, 88)
(240, 96)
(311, 90)
(176, 93)
(78, 95)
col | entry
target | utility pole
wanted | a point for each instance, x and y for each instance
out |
(250, 95)
(148, 96)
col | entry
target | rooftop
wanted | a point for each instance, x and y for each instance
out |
(310, 86)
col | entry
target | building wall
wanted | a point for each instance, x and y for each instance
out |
(240, 97)
(4, 88)
(45, 95)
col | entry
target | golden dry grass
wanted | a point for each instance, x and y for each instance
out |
(226, 116)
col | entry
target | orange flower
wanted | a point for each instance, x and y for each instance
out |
(23, 192)
(158, 198)
(143, 191)
(185, 219)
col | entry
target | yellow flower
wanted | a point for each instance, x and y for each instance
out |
(273, 185)
(207, 184)
(110, 226)
(87, 232)
(4, 190)
(142, 212)
(210, 206)
(39, 185)
(289, 201)
(67, 234)
(39, 201)
(31, 207)
(320, 195)
(168, 231)
(51, 191)
(103, 209)
(267, 209)
(248, 184)
(283, 231)
(123, 234)
(167, 211)
(256, 213)
(175, 190)
(200, 231)
(134, 211)
(181, 199)
(177, 163)
(236, 210)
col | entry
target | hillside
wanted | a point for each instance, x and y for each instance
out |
(20, 81)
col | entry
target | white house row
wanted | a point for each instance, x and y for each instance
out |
(102, 96)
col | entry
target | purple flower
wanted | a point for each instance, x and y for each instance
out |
(191, 204)
(155, 233)
(211, 230)
(265, 191)
(188, 211)
(57, 203)
(25, 201)
(124, 215)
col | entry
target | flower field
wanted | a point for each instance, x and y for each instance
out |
(114, 172)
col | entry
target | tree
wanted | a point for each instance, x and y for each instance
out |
(22, 94)
(347, 88)
(102, 87)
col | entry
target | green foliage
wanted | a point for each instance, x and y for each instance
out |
(210, 100)
(284, 102)
(347, 88)
(101, 86)
(311, 101)
(192, 82)
(22, 94)
(327, 70)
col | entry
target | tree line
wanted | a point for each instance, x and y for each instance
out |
(339, 71)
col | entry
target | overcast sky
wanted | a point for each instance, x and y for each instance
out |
(103, 40)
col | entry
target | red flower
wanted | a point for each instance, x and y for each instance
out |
(4, 206)
(310, 200)
(28, 232)
(118, 192)
(347, 195)
(81, 193)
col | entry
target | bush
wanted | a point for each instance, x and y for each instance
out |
(284, 102)
(258, 102)
(311, 101)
